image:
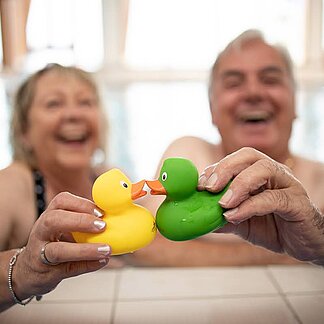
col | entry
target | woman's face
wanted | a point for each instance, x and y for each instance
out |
(63, 122)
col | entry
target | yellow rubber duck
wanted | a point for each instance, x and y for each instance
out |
(129, 226)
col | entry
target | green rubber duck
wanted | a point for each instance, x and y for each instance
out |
(186, 213)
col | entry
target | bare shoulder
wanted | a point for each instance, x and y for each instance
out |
(200, 151)
(309, 168)
(15, 179)
(16, 170)
(311, 175)
(16, 203)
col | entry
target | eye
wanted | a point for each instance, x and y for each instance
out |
(233, 83)
(86, 102)
(53, 103)
(271, 80)
(164, 176)
(124, 184)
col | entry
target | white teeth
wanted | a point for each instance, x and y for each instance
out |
(255, 116)
(72, 137)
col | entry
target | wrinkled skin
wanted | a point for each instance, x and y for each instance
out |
(267, 205)
(65, 213)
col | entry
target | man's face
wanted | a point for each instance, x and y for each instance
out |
(252, 99)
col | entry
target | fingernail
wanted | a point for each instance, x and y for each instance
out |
(105, 250)
(226, 198)
(234, 221)
(202, 179)
(103, 261)
(211, 180)
(229, 213)
(99, 224)
(97, 212)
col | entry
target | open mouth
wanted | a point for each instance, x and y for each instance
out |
(73, 138)
(255, 117)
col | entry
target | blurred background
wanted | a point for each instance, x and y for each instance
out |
(152, 59)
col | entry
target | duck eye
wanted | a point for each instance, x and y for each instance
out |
(164, 176)
(124, 184)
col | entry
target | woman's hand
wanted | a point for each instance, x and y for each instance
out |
(52, 232)
(267, 205)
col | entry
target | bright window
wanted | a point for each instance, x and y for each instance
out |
(66, 32)
(187, 34)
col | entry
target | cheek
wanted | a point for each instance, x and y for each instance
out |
(285, 104)
(95, 126)
(226, 100)
(222, 110)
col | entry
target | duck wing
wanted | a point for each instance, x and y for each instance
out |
(190, 218)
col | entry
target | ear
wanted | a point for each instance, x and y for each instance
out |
(295, 116)
(24, 139)
(214, 115)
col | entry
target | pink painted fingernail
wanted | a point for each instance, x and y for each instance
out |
(103, 261)
(105, 250)
(97, 212)
(99, 224)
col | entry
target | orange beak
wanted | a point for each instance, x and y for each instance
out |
(137, 189)
(156, 187)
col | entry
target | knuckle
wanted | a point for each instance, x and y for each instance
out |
(59, 199)
(76, 268)
(209, 170)
(272, 167)
(280, 199)
(248, 151)
(267, 164)
(81, 221)
(240, 184)
(54, 253)
(47, 219)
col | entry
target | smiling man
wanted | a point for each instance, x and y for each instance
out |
(252, 103)
(252, 96)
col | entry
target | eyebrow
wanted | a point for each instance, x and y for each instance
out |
(231, 73)
(271, 69)
(238, 73)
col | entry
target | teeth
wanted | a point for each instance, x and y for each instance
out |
(255, 116)
(73, 137)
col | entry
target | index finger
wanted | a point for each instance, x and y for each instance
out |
(70, 202)
(68, 213)
(218, 175)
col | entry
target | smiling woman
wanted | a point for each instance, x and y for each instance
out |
(57, 126)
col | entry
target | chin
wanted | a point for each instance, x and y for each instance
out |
(259, 145)
(76, 163)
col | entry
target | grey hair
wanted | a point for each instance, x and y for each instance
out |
(244, 38)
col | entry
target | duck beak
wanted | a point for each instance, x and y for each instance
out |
(137, 189)
(156, 187)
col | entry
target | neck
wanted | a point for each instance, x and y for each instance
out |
(78, 182)
(284, 157)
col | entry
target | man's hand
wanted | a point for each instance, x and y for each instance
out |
(267, 205)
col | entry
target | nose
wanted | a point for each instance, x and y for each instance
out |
(254, 90)
(72, 112)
